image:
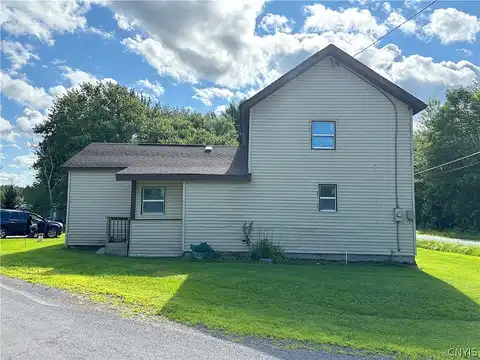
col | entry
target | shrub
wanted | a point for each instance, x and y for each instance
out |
(266, 249)
(247, 234)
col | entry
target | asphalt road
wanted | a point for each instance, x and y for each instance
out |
(44, 323)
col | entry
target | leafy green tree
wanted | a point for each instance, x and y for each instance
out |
(449, 197)
(10, 197)
(107, 112)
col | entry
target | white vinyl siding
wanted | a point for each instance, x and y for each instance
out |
(158, 234)
(93, 195)
(155, 238)
(283, 195)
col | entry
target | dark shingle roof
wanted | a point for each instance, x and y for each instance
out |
(176, 162)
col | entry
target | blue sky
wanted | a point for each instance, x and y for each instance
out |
(203, 54)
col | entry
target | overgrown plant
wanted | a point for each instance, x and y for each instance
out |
(266, 249)
(247, 234)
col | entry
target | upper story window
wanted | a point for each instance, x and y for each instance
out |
(153, 200)
(323, 135)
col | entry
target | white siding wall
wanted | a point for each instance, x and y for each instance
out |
(157, 234)
(94, 195)
(155, 238)
(282, 196)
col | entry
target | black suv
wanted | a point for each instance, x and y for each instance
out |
(21, 222)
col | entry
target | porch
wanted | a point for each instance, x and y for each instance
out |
(155, 225)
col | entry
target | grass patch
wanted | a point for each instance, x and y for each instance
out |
(449, 247)
(402, 310)
(452, 234)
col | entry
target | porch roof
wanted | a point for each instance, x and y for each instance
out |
(164, 162)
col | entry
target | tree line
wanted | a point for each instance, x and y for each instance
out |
(446, 197)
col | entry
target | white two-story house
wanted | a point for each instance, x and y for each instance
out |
(324, 167)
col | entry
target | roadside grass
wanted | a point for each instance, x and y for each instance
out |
(449, 247)
(452, 234)
(398, 310)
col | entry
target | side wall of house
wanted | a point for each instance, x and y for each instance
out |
(282, 198)
(158, 234)
(93, 195)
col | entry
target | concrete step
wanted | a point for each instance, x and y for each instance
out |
(116, 248)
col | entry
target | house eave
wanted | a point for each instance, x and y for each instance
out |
(182, 177)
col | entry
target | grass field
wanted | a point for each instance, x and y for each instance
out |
(401, 310)
(449, 247)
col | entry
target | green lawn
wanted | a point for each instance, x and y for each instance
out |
(449, 247)
(453, 234)
(418, 313)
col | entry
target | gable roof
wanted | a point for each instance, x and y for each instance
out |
(416, 104)
(164, 162)
(331, 50)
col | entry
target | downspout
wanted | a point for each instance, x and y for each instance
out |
(397, 205)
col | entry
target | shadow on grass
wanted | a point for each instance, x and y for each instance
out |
(370, 306)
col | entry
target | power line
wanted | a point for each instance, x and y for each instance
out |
(450, 162)
(461, 167)
(388, 33)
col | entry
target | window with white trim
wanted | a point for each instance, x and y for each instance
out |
(323, 135)
(153, 200)
(327, 197)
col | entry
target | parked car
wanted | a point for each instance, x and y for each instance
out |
(21, 222)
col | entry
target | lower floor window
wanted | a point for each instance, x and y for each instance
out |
(153, 200)
(327, 197)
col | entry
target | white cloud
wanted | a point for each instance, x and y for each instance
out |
(387, 7)
(42, 18)
(102, 33)
(29, 120)
(156, 89)
(5, 126)
(18, 54)
(273, 23)
(395, 19)
(220, 109)
(206, 95)
(320, 18)
(466, 52)
(75, 77)
(22, 178)
(24, 93)
(451, 25)
(125, 23)
(25, 161)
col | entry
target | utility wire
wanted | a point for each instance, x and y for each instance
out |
(403, 23)
(461, 167)
(450, 162)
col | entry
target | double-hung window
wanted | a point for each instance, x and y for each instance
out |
(323, 135)
(153, 200)
(327, 197)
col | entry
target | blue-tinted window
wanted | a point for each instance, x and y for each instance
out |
(323, 134)
(153, 200)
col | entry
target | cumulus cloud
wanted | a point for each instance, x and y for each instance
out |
(206, 95)
(23, 93)
(43, 18)
(154, 89)
(220, 109)
(22, 178)
(395, 19)
(321, 18)
(30, 118)
(452, 25)
(273, 23)
(25, 161)
(18, 54)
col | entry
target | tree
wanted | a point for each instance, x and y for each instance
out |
(448, 197)
(107, 112)
(10, 197)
